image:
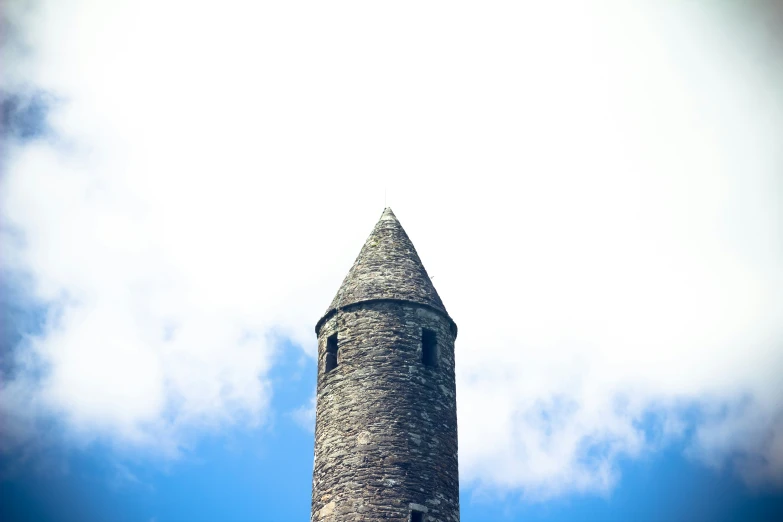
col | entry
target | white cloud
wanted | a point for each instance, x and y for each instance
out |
(597, 196)
(304, 416)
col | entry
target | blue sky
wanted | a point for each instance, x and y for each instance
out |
(265, 473)
(594, 187)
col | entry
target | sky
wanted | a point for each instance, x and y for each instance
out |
(596, 189)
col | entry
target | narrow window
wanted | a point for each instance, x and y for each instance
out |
(331, 352)
(429, 348)
(417, 516)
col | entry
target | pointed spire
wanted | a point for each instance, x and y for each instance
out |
(388, 267)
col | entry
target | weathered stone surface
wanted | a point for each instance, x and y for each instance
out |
(387, 267)
(386, 424)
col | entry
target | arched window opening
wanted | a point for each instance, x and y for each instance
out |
(429, 348)
(331, 352)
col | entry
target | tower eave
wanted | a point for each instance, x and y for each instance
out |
(438, 310)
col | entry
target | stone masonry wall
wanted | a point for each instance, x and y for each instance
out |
(386, 424)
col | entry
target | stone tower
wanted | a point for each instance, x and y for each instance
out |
(386, 417)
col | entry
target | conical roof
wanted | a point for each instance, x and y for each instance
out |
(388, 267)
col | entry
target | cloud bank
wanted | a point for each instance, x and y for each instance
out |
(596, 192)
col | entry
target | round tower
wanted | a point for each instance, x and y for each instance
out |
(386, 413)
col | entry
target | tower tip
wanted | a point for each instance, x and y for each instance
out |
(388, 214)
